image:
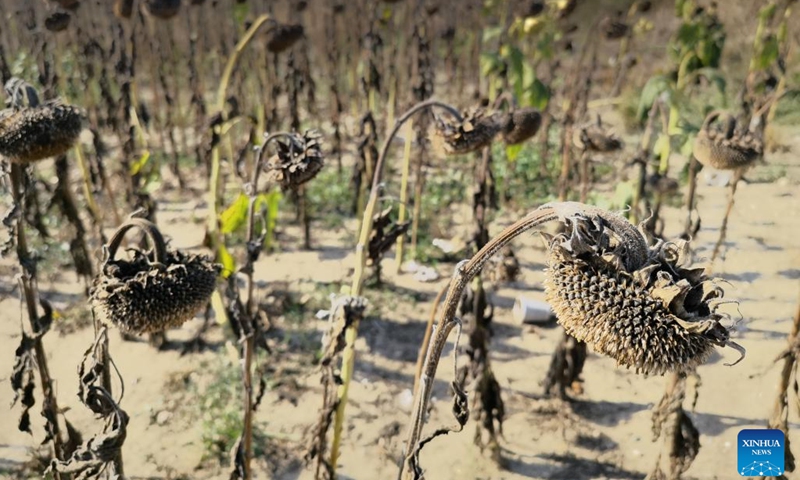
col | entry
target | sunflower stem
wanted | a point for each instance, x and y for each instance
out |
(356, 289)
(401, 215)
(248, 347)
(28, 282)
(215, 186)
(463, 274)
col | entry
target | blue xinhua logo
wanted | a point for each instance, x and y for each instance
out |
(760, 453)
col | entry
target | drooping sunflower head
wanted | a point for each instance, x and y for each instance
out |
(641, 304)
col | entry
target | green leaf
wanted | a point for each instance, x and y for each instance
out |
(240, 11)
(227, 261)
(770, 50)
(709, 51)
(235, 216)
(538, 94)
(689, 34)
(766, 12)
(688, 145)
(138, 165)
(491, 64)
(654, 87)
(490, 33)
(512, 152)
(623, 197)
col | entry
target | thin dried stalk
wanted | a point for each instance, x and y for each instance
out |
(423, 351)
(356, 289)
(243, 457)
(28, 281)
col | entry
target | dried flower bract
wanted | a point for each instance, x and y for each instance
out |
(297, 161)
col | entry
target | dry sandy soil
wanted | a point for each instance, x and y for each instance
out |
(605, 433)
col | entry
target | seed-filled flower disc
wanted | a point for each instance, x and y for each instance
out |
(521, 124)
(57, 21)
(638, 304)
(726, 149)
(35, 133)
(163, 9)
(282, 37)
(151, 293)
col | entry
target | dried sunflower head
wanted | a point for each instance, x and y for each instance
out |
(163, 9)
(642, 305)
(505, 267)
(613, 29)
(282, 37)
(298, 160)
(475, 131)
(596, 138)
(151, 293)
(57, 21)
(34, 133)
(521, 124)
(726, 148)
(123, 8)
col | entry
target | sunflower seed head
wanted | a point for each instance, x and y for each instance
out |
(282, 37)
(68, 4)
(475, 131)
(297, 161)
(139, 296)
(653, 316)
(35, 133)
(594, 137)
(613, 29)
(57, 21)
(726, 148)
(163, 9)
(520, 125)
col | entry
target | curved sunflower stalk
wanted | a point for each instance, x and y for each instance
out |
(296, 162)
(215, 183)
(357, 286)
